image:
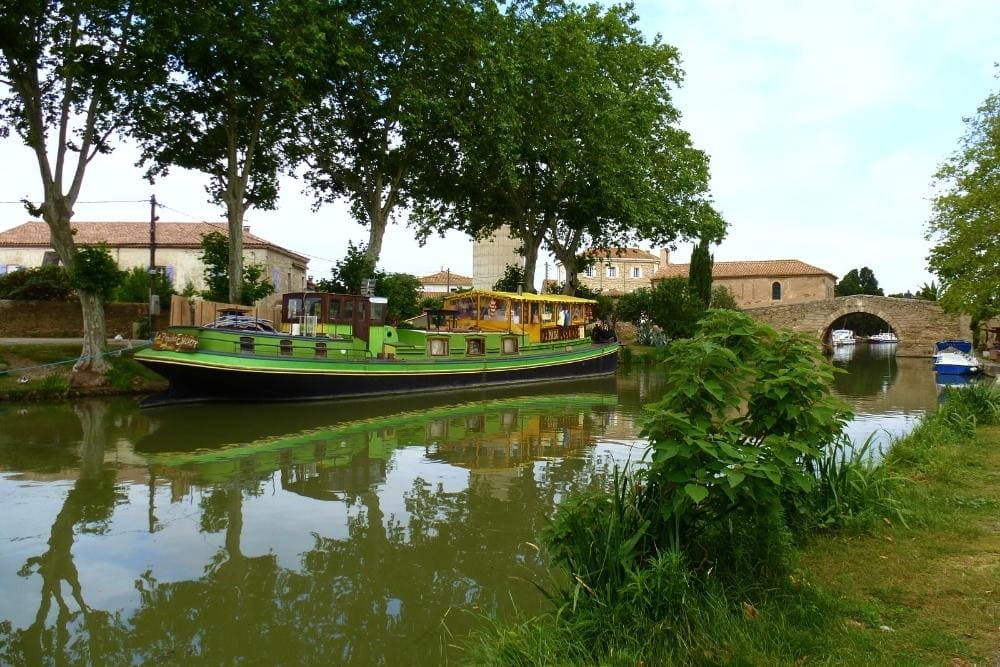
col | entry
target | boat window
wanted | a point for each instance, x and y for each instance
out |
(378, 312)
(578, 312)
(334, 310)
(294, 310)
(437, 347)
(348, 309)
(509, 345)
(546, 312)
(321, 350)
(493, 309)
(246, 343)
(776, 291)
(314, 306)
(285, 348)
(475, 346)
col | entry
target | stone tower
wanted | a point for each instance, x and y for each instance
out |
(491, 257)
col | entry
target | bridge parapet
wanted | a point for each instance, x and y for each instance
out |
(917, 323)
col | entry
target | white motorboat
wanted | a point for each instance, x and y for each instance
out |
(954, 357)
(841, 337)
(883, 337)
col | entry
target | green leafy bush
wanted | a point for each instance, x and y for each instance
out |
(135, 287)
(45, 283)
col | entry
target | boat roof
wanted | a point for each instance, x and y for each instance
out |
(524, 296)
(960, 345)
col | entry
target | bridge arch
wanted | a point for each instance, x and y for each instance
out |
(917, 323)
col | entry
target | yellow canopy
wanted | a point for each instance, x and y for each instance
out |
(514, 296)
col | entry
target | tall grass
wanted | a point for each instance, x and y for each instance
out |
(853, 487)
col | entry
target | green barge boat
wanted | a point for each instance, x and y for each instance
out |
(336, 345)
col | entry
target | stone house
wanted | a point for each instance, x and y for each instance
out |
(178, 247)
(444, 281)
(617, 271)
(763, 282)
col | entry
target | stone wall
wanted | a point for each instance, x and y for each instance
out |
(62, 319)
(917, 323)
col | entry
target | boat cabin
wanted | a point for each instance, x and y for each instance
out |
(539, 317)
(323, 313)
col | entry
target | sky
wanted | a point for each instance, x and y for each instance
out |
(824, 123)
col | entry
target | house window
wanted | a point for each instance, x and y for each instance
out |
(10, 268)
(775, 291)
(509, 345)
(50, 258)
(277, 280)
(437, 347)
(285, 348)
(612, 272)
(637, 272)
(475, 346)
(589, 272)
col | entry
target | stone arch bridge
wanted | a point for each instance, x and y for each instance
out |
(917, 323)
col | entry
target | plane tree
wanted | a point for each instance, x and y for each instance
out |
(239, 72)
(383, 105)
(965, 220)
(567, 137)
(67, 72)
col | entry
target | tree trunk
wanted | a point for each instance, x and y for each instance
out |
(57, 214)
(530, 252)
(234, 215)
(569, 262)
(95, 338)
(377, 222)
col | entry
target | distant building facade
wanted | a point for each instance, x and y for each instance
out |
(444, 281)
(178, 250)
(490, 258)
(763, 282)
(617, 271)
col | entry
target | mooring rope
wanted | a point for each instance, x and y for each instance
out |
(110, 353)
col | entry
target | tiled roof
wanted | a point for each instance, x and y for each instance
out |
(748, 269)
(35, 234)
(623, 253)
(444, 278)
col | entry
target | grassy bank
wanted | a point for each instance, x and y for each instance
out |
(895, 562)
(42, 372)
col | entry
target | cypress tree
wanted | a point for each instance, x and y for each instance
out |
(700, 273)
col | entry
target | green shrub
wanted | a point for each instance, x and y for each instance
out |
(45, 283)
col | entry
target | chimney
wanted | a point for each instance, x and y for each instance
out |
(664, 257)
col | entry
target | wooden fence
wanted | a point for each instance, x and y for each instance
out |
(198, 312)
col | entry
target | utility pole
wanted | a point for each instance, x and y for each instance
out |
(152, 259)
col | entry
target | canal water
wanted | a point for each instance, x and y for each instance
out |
(364, 532)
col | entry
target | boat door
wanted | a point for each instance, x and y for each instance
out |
(360, 319)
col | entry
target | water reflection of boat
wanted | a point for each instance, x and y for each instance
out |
(469, 434)
(952, 380)
(176, 428)
(842, 354)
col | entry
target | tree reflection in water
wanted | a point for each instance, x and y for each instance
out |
(374, 590)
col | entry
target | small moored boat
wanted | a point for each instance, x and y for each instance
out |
(954, 357)
(841, 337)
(337, 345)
(883, 337)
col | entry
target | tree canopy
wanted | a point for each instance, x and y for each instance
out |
(568, 137)
(69, 71)
(239, 72)
(858, 281)
(965, 221)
